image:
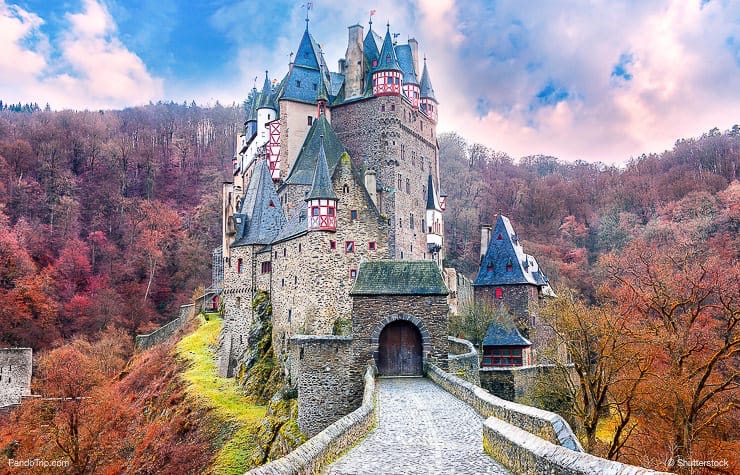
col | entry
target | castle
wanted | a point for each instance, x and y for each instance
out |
(335, 210)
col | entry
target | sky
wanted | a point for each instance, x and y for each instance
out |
(593, 80)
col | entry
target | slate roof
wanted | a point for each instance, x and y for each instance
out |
(250, 105)
(260, 221)
(426, 83)
(306, 71)
(370, 46)
(387, 60)
(321, 186)
(504, 334)
(305, 164)
(432, 201)
(508, 251)
(266, 98)
(406, 61)
(335, 83)
(396, 277)
(296, 225)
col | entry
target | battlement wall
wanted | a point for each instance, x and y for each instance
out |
(16, 366)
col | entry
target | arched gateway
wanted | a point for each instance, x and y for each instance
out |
(400, 350)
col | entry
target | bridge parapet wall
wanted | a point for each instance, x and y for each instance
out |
(463, 360)
(525, 453)
(544, 424)
(320, 450)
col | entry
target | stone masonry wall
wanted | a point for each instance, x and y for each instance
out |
(524, 453)
(387, 136)
(319, 370)
(510, 383)
(144, 342)
(16, 366)
(320, 450)
(463, 361)
(310, 280)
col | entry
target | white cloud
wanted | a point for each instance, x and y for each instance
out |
(92, 70)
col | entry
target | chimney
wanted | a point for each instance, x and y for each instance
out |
(371, 184)
(415, 55)
(485, 236)
(354, 63)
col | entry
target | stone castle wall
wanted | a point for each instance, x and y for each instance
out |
(310, 280)
(387, 136)
(239, 290)
(144, 342)
(319, 370)
(293, 130)
(16, 366)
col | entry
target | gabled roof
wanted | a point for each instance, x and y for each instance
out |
(396, 277)
(504, 250)
(406, 61)
(305, 164)
(504, 334)
(302, 81)
(426, 83)
(387, 60)
(321, 186)
(432, 201)
(260, 212)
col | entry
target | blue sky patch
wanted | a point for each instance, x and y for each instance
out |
(549, 95)
(482, 106)
(620, 69)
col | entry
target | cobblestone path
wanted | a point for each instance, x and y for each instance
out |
(421, 429)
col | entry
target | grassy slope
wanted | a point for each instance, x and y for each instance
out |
(223, 397)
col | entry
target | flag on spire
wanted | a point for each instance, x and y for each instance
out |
(372, 12)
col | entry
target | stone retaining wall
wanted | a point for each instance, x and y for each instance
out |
(463, 360)
(319, 451)
(544, 424)
(15, 375)
(144, 342)
(525, 453)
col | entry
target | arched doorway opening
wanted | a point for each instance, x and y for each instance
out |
(400, 350)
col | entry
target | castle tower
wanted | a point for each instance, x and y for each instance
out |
(434, 224)
(428, 101)
(405, 56)
(322, 201)
(387, 75)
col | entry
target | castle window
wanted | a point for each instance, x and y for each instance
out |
(375, 62)
(314, 210)
(285, 252)
(400, 222)
(332, 245)
(298, 83)
(239, 266)
(353, 274)
(509, 267)
(299, 247)
(499, 293)
(408, 185)
(499, 238)
(310, 120)
(411, 221)
(295, 280)
(399, 182)
(272, 205)
(382, 108)
(371, 246)
(266, 267)
(282, 282)
(238, 301)
(401, 254)
(390, 80)
(290, 314)
(489, 267)
(315, 87)
(300, 354)
(403, 152)
(393, 107)
(353, 215)
(345, 189)
(275, 254)
(349, 247)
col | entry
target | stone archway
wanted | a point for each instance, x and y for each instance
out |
(399, 344)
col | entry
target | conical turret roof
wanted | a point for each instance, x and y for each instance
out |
(406, 61)
(260, 212)
(426, 84)
(266, 100)
(388, 60)
(432, 201)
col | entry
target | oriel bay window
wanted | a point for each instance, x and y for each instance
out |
(323, 214)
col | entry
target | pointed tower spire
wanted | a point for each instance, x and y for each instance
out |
(322, 201)
(434, 224)
(387, 74)
(266, 101)
(428, 103)
(322, 97)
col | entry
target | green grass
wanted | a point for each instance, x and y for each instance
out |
(224, 397)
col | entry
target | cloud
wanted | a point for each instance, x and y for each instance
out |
(86, 67)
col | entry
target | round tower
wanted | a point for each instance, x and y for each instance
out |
(387, 75)
(428, 103)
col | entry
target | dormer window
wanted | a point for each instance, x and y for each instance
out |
(509, 266)
(272, 205)
(489, 268)
(500, 238)
(388, 58)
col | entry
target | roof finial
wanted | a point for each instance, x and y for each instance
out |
(388, 26)
(307, 6)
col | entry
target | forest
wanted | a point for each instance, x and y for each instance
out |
(108, 220)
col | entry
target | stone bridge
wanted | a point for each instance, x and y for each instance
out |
(442, 424)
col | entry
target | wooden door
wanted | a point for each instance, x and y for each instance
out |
(400, 350)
